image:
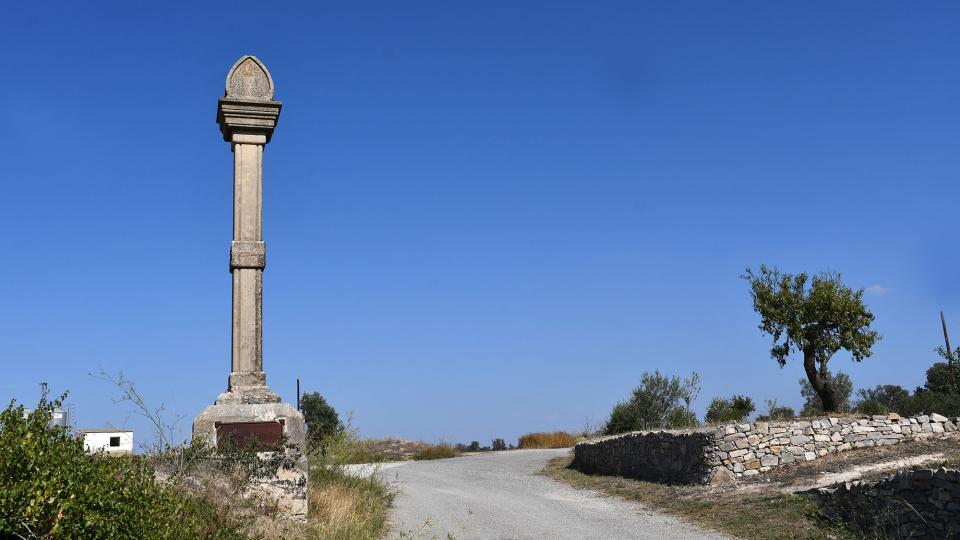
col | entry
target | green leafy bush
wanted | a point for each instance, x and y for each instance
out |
(51, 488)
(659, 402)
(734, 409)
(881, 399)
(321, 418)
(776, 412)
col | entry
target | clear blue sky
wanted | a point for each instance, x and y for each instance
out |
(482, 220)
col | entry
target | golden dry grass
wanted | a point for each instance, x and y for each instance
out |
(557, 439)
(436, 451)
(344, 507)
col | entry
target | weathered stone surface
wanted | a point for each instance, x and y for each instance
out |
(722, 475)
(878, 508)
(670, 455)
(249, 79)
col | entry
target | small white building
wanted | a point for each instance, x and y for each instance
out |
(110, 440)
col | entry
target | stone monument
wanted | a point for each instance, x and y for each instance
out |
(247, 115)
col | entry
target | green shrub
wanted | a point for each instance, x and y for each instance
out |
(436, 451)
(682, 418)
(734, 409)
(51, 488)
(924, 402)
(655, 403)
(776, 412)
(881, 399)
(498, 444)
(320, 417)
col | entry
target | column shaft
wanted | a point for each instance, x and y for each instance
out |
(247, 343)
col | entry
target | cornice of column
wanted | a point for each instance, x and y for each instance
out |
(247, 117)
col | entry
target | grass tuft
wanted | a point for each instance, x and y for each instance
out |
(436, 451)
(557, 439)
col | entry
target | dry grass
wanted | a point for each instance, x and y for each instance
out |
(557, 439)
(753, 515)
(436, 451)
(345, 507)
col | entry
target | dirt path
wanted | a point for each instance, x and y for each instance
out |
(499, 495)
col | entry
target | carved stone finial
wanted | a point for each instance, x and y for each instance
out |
(249, 80)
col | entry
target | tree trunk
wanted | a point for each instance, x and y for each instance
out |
(821, 385)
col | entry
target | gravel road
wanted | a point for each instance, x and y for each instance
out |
(499, 495)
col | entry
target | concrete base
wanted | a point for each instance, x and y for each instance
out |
(284, 488)
(228, 410)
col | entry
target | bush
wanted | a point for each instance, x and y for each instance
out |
(50, 487)
(436, 451)
(882, 399)
(654, 404)
(557, 439)
(930, 402)
(734, 409)
(498, 444)
(321, 418)
(776, 412)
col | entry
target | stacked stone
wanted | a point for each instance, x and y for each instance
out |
(909, 504)
(661, 456)
(749, 449)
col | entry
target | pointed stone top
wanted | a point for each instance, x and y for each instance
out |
(249, 80)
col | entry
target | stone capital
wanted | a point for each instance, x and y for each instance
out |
(247, 121)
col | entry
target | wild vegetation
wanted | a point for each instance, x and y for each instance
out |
(51, 488)
(660, 402)
(814, 317)
(734, 409)
(556, 439)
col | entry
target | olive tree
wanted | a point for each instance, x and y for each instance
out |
(816, 317)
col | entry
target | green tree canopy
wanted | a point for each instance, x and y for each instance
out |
(321, 418)
(816, 317)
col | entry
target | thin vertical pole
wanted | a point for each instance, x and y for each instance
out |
(298, 393)
(946, 339)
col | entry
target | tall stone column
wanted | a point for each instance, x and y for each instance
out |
(247, 115)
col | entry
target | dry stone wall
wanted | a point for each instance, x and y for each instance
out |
(910, 504)
(661, 456)
(746, 449)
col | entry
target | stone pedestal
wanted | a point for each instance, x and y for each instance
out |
(247, 116)
(283, 486)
